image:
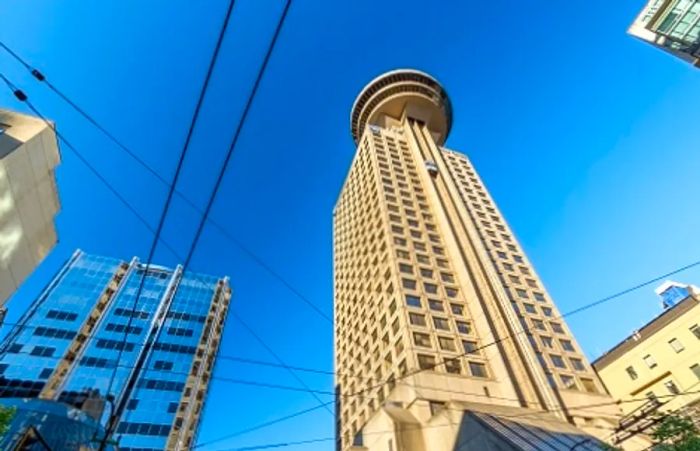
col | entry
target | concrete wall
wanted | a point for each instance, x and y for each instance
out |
(28, 197)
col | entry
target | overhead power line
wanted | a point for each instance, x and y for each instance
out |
(526, 330)
(21, 96)
(508, 416)
(40, 76)
(119, 406)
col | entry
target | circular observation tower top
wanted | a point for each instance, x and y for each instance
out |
(404, 90)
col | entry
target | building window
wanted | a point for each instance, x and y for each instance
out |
(588, 385)
(470, 347)
(413, 301)
(676, 345)
(132, 404)
(556, 327)
(696, 370)
(447, 344)
(557, 361)
(568, 381)
(426, 362)
(530, 308)
(453, 366)
(45, 373)
(577, 364)
(547, 342)
(417, 319)
(672, 387)
(43, 351)
(477, 369)
(457, 309)
(695, 329)
(430, 288)
(649, 360)
(436, 305)
(163, 365)
(441, 324)
(566, 345)
(463, 327)
(409, 284)
(404, 268)
(631, 372)
(421, 339)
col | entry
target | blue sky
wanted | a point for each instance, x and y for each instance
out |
(586, 138)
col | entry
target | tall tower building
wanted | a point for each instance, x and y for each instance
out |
(672, 26)
(28, 197)
(66, 347)
(435, 300)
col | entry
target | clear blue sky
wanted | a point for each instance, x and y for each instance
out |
(586, 138)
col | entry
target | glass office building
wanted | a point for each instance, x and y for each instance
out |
(671, 25)
(87, 336)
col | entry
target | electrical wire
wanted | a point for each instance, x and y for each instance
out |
(527, 330)
(583, 308)
(114, 416)
(38, 75)
(508, 416)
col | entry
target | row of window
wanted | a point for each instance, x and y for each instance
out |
(104, 343)
(121, 328)
(175, 348)
(134, 403)
(54, 333)
(180, 331)
(186, 316)
(157, 384)
(674, 343)
(131, 313)
(428, 362)
(61, 315)
(161, 430)
(41, 351)
(97, 362)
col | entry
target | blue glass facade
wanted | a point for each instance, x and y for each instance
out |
(673, 295)
(84, 335)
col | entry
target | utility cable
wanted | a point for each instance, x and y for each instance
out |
(38, 75)
(22, 97)
(527, 330)
(113, 420)
(507, 416)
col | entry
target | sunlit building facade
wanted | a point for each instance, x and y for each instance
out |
(28, 197)
(671, 25)
(85, 338)
(437, 308)
(658, 364)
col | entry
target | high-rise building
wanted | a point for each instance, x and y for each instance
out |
(28, 197)
(660, 362)
(671, 25)
(86, 343)
(436, 303)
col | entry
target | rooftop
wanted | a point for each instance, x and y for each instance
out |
(390, 94)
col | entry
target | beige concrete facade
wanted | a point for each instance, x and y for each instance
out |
(435, 300)
(659, 365)
(28, 197)
(672, 26)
